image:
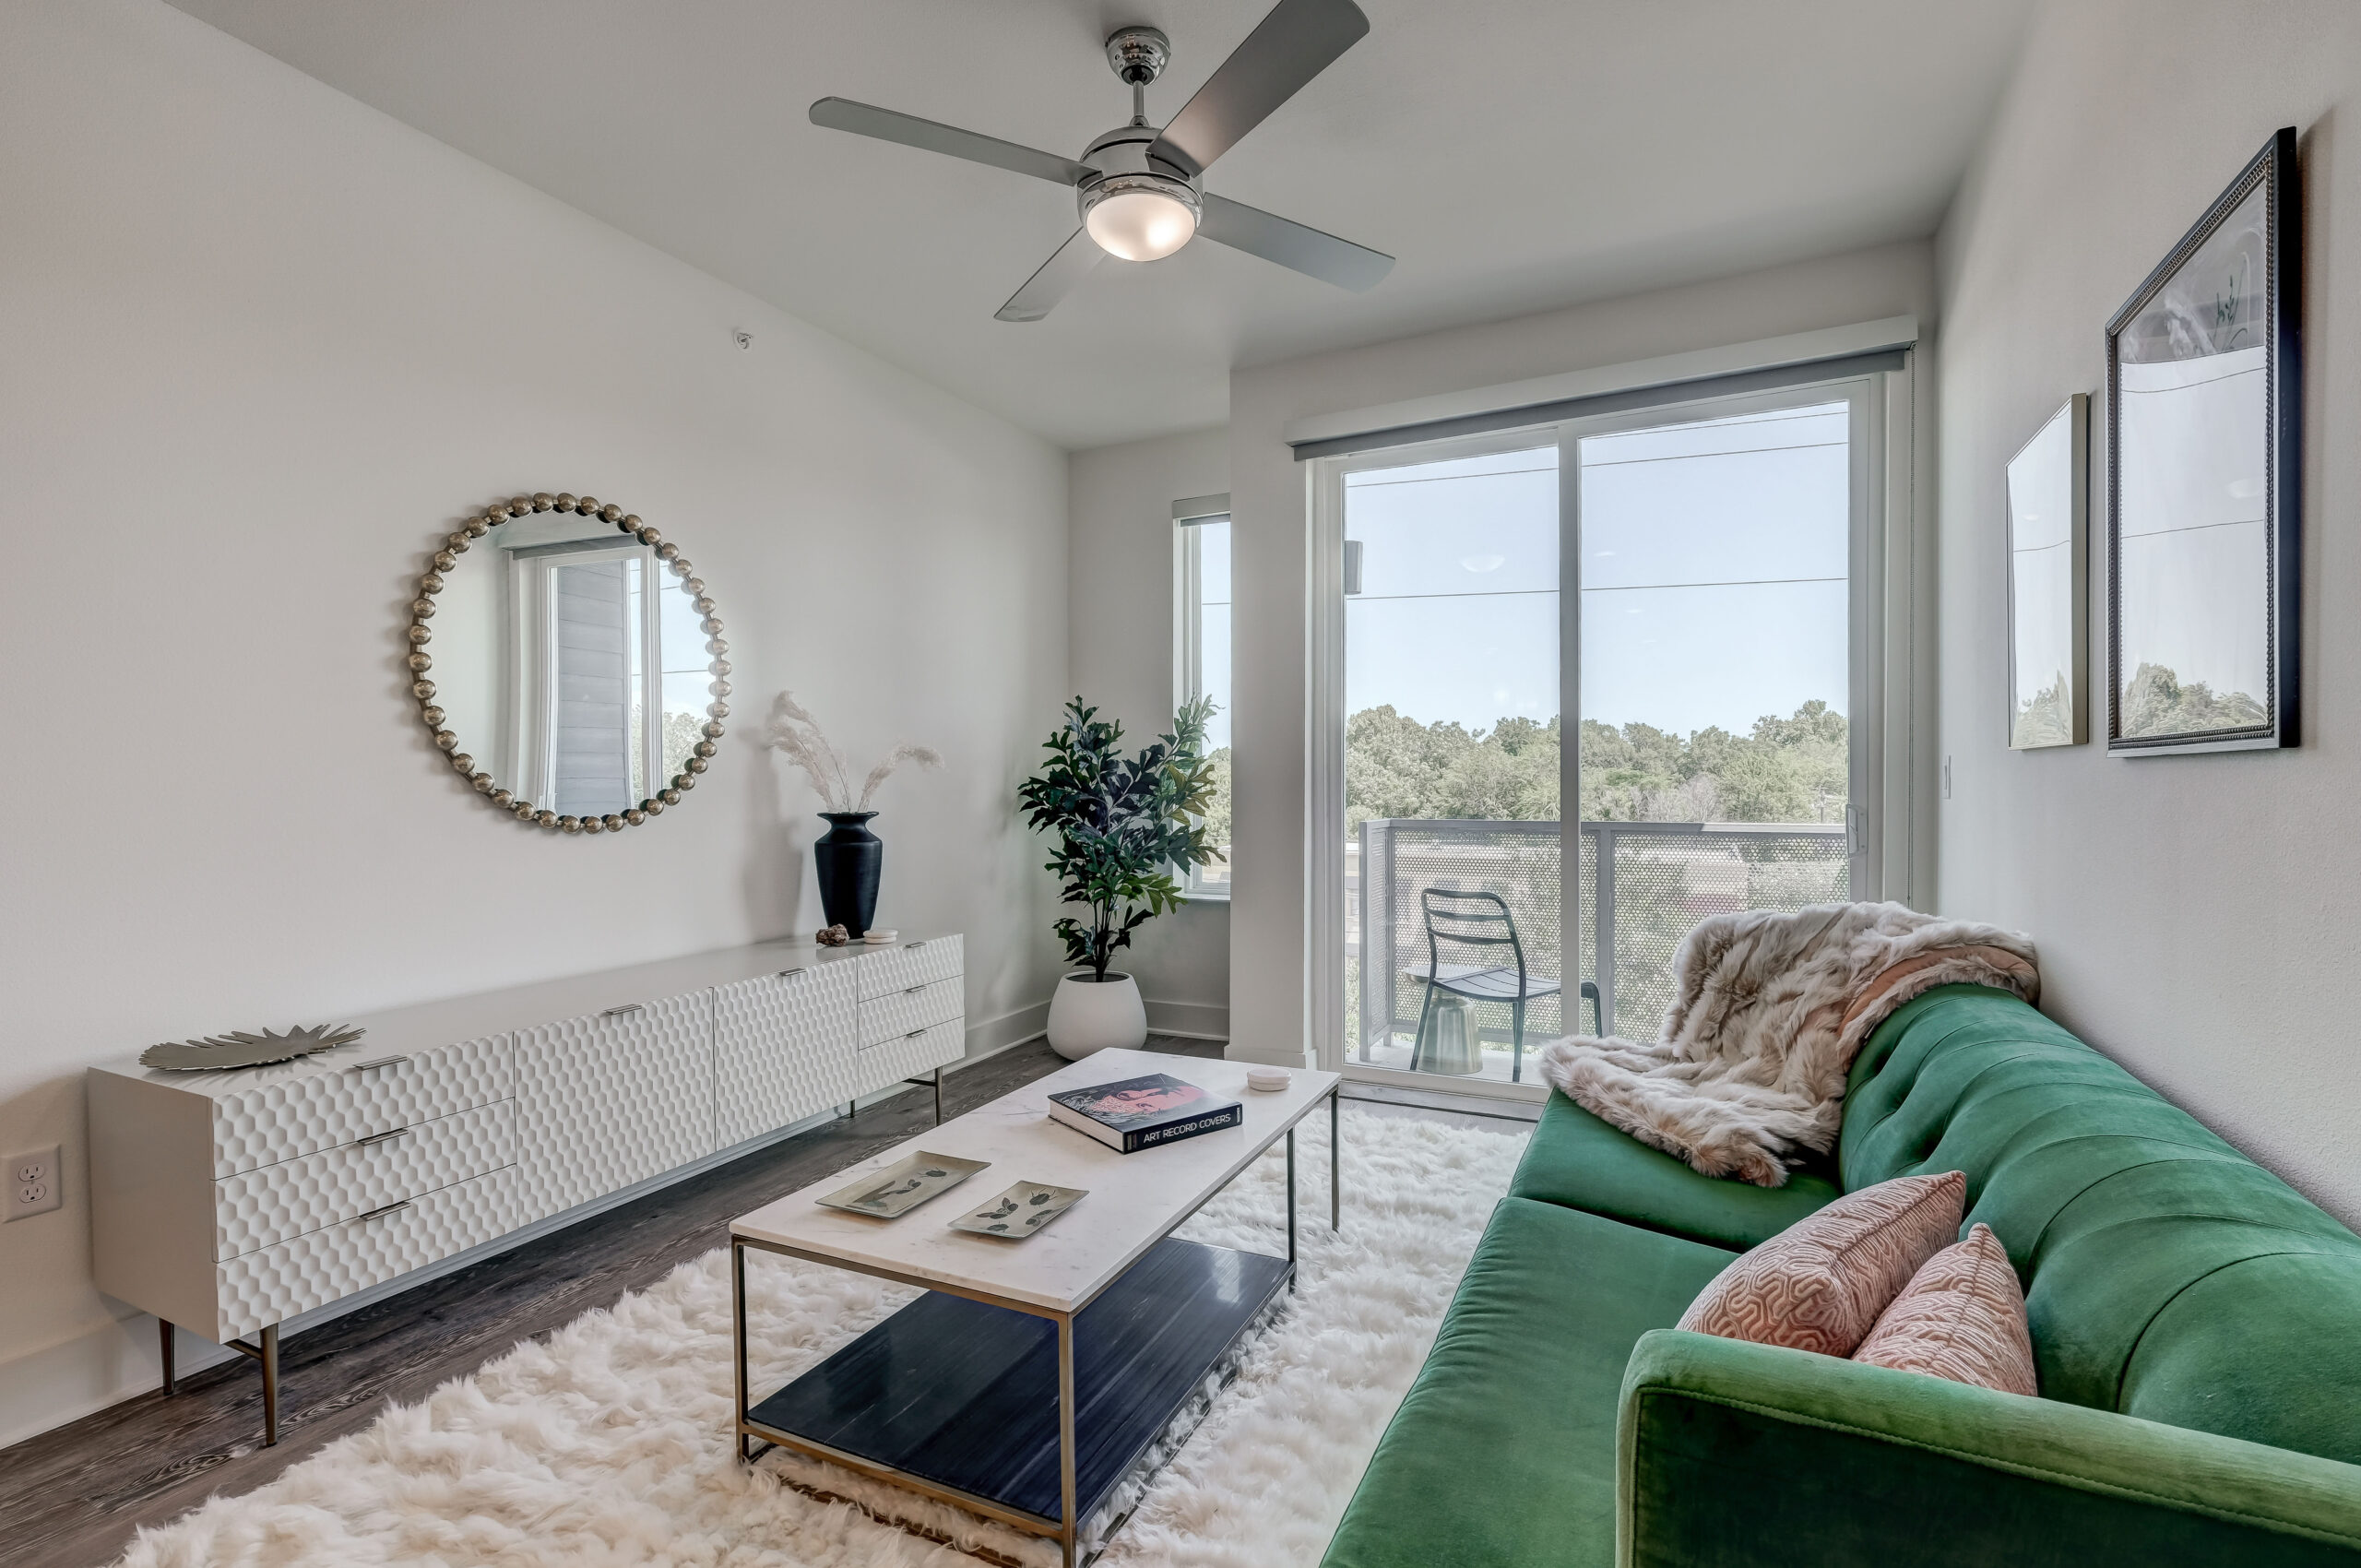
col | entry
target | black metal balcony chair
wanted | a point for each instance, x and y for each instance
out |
(1480, 920)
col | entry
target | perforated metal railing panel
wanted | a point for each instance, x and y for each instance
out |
(1664, 878)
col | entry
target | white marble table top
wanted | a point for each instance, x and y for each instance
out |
(1136, 1199)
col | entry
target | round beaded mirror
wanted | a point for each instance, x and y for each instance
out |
(576, 674)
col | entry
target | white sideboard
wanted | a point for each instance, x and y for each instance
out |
(229, 1202)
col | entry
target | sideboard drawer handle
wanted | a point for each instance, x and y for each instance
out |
(790, 974)
(914, 1034)
(381, 1213)
(625, 1009)
(381, 1062)
(383, 1137)
(912, 946)
(913, 991)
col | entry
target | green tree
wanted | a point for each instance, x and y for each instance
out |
(1786, 769)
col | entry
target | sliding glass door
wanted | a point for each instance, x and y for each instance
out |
(1503, 867)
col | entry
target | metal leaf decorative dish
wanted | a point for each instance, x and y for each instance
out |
(243, 1050)
(1020, 1211)
(905, 1184)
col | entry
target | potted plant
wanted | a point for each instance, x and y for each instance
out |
(1120, 827)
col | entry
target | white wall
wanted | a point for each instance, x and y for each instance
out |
(1120, 641)
(2195, 912)
(1270, 538)
(259, 348)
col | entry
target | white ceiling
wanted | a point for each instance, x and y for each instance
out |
(1515, 155)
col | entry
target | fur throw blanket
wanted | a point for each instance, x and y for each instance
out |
(1768, 1012)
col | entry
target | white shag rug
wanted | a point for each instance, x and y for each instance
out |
(609, 1443)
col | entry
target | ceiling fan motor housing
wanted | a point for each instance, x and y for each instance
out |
(1123, 162)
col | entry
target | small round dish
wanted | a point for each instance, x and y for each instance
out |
(1267, 1080)
(879, 938)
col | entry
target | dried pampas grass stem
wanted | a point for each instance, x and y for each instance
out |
(796, 734)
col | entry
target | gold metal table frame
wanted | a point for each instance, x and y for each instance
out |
(1065, 1531)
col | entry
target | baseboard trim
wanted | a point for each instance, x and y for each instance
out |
(1190, 1020)
(109, 1362)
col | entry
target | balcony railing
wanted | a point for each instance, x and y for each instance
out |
(1661, 878)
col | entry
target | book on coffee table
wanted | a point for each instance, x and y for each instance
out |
(1137, 1114)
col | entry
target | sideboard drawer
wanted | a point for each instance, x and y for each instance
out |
(904, 1055)
(890, 969)
(301, 1115)
(919, 1006)
(276, 1203)
(273, 1284)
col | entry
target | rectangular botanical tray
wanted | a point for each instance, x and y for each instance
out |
(905, 1184)
(1020, 1211)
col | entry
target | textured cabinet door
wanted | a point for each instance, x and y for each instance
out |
(611, 1098)
(783, 1048)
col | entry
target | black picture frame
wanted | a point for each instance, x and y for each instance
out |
(2187, 432)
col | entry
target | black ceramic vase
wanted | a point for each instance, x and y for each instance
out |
(849, 858)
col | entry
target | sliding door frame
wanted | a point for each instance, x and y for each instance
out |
(1881, 564)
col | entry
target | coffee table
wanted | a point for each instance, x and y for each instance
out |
(1037, 1373)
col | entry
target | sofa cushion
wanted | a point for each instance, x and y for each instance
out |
(2165, 1275)
(1961, 1316)
(1579, 1161)
(1503, 1451)
(1820, 1285)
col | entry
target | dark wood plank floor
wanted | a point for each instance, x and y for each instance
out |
(74, 1496)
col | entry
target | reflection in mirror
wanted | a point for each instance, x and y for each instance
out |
(2193, 636)
(2046, 486)
(576, 669)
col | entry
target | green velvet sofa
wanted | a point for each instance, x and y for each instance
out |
(2195, 1326)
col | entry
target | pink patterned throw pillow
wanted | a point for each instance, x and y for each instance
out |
(1820, 1284)
(1961, 1316)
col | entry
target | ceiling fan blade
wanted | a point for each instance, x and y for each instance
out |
(1297, 41)
(888, 124)
(1046, 288)
(1291, 244)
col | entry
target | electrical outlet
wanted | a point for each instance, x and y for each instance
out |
(33, 1186)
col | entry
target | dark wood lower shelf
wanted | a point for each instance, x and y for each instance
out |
(965, 1394)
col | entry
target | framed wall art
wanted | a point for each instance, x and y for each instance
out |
(2203, 375)
(2049, 596)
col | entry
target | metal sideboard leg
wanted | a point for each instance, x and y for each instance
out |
(266, 1353)
(270, 1385)
(164, 1333)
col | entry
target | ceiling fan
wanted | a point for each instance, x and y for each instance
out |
(1141, 188)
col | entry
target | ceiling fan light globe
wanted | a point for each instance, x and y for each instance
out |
(1140, 225)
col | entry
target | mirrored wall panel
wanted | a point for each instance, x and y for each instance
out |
(2048, 538)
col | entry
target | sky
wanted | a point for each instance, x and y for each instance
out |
(1714, 577)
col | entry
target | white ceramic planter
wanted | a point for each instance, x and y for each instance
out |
(1086, 1015)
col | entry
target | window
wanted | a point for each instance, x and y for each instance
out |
(1201, 550)
(1579, 686)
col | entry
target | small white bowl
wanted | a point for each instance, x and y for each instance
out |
(1268, 1080)
(879, 938)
